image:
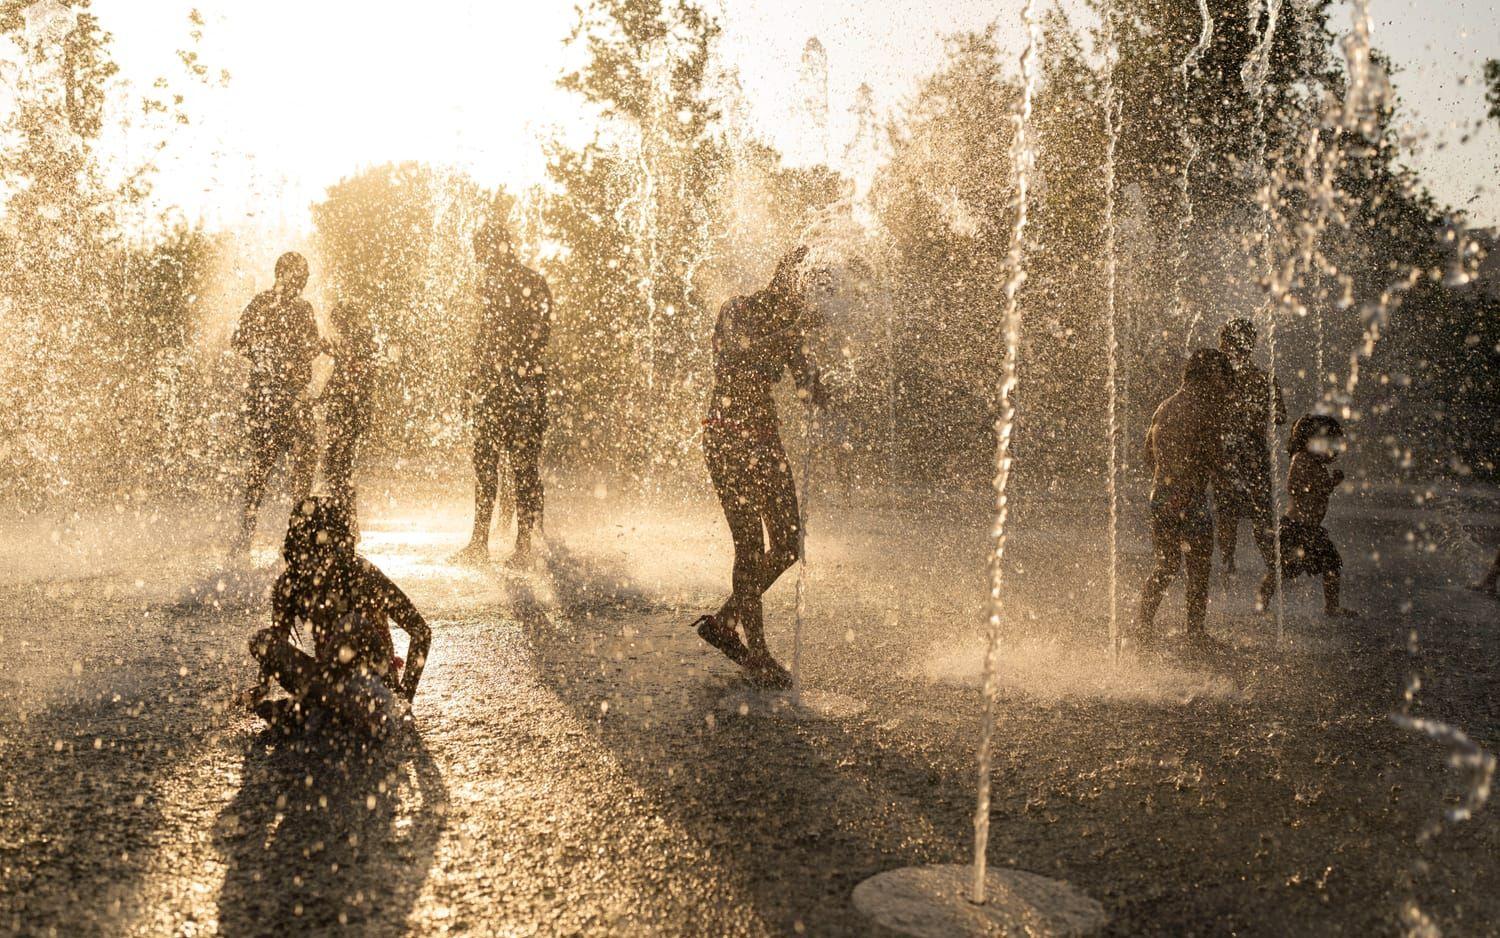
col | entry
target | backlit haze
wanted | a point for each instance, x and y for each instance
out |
(317, 90)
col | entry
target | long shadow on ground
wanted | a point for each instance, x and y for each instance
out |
(1294, 812)
(321, 836)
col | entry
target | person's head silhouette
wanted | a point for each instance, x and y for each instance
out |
(291, 273)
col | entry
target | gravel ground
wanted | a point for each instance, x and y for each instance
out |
(582, 764)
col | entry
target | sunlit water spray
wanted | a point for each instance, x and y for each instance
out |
(1112, 340)
(1254, 74)
(1189, 142)
(1023, 157)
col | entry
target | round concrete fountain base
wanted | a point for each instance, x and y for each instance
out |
(933, 902)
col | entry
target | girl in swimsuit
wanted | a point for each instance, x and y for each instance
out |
(757, 339)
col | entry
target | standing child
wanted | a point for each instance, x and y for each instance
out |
(278, 334)
(757, 339)
(1306, 547)
(348, 400)
(1186, 455)
(508, 390)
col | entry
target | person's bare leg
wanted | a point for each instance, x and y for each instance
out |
(1331, 606)
(486, 458)
(1227, 531)
(338, 475)
(743, 607)
(736, 493)
(1151, 596)
(525, 461)
(778, 498)
(302, 459)
(1199, 564)
(262, 461)
(1166, 544)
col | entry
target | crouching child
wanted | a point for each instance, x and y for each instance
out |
(353, 674)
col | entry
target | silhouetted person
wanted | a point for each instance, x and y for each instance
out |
(348, 401)
(349, 606)
(1254, 401)
(279, 335)
(1186, 457)
(1306, 547)
(508, 390)
(1487, 585)
(757, 339)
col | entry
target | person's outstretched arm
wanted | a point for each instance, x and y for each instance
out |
(243, 339)
(409, 620)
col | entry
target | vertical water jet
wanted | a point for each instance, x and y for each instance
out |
(1254, 74)
(1190, 149)
(1022, 159)
(1112, 341)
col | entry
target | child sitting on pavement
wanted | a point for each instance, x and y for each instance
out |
(349, 605)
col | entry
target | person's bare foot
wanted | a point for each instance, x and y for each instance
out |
(522, 558)
(767, 671)
(473, 555)
(724, 638)
(248, 699)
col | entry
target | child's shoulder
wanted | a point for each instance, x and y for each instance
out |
(367, 574)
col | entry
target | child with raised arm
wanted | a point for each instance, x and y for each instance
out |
(1306, 547)
(349, 606)
(757, 339)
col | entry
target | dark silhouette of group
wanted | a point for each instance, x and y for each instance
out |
(1210, 445)
(1211, 442)
(351, 605)
(353, 673)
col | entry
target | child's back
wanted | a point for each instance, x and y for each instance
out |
(1309, 484)
(1306, 548)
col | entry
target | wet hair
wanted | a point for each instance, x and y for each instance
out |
(1309, 426)
(318, 526)
(1203, 366)
(1238, 333)
(291, 264)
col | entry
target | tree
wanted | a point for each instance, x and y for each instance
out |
(943, 202)
(395, 241)
(57, 246)
(647, 71)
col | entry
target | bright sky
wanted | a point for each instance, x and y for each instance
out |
(319, 89)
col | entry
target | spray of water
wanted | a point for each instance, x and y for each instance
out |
(814, 80)
(1112, 137)
(1190, 150)
(802, 503)
(1254, 74)
(1022, 158)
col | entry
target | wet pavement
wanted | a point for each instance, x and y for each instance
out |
(582, 764)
